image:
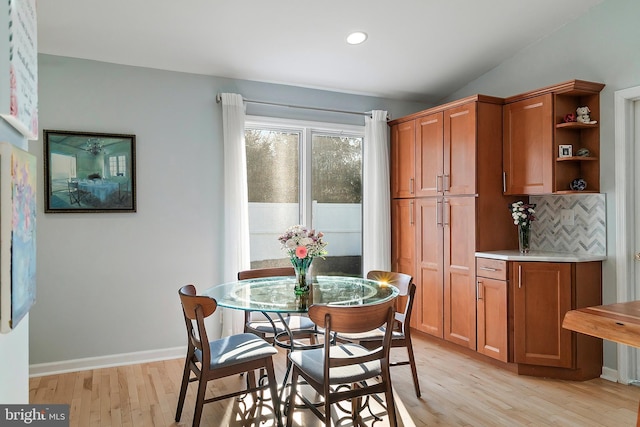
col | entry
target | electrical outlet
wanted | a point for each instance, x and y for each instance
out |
(567, 217)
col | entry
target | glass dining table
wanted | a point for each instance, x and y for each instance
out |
(276, 294)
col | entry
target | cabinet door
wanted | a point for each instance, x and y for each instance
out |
(429, 272)
(492, 318)
(403, 236)
(528, 156)
(459, 173)
(459, 271)
(429, 155)
(541, 297)
(403, 160)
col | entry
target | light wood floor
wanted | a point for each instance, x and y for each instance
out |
(456, 391)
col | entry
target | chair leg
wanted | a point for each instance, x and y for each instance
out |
(292, 397)
(251, 384)
(197, 414)
(183, 389)
(327, 406)
(388, 394)
(273, 387)
(414, 370)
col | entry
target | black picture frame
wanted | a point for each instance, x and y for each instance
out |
(89, 172)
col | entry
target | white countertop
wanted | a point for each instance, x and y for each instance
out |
(515, 255)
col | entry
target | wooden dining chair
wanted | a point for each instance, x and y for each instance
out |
(266, 327)
(364, 371)
(401, 332)
(211, 360)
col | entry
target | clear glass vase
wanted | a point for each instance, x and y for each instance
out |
(524, 238)
(303, 278)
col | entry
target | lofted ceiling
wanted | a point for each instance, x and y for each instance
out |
(418, 50)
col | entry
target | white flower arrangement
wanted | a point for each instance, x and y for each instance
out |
(523, 214)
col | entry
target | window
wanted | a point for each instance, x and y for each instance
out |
(310, 174)
(117, 165)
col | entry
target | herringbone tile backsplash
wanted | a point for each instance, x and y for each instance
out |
(588, 235)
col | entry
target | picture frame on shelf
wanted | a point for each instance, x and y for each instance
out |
(89, 172)
(565, 150)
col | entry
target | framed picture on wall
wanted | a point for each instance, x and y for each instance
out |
(89, 172)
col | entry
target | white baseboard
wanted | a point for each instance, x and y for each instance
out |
(609, 374)
(41, 369)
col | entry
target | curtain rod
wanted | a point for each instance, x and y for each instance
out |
(252, 101)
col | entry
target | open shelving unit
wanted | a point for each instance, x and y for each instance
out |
(578, 135)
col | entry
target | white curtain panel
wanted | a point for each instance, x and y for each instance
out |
(236, 205)
(376, 228)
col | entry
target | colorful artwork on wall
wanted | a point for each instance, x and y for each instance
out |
(19, 106)
(17, 235)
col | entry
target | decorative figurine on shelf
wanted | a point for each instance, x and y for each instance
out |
(582, 115)
(583, 152)
(578, 184)
(569, 117)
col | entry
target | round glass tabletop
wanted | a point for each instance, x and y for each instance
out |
(275, 294)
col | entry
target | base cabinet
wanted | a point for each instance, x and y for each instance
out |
(542, 293)
(541, 297)
(491, 301)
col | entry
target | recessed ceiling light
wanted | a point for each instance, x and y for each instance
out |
(356, 37)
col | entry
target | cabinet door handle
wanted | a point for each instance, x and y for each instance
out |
(519, 276)
(438, 183)
(488, 269)
(411, 185)
(446, 183)
(504, 182)
(411, 212)
(445, 213)
(479, 289)
(438, 212)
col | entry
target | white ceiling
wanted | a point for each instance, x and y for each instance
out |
(419, 50)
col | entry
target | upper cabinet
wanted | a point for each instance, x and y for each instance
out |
(544, 153)
(434, 153)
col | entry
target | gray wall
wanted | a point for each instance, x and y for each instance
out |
(107, 283)
(601, 46)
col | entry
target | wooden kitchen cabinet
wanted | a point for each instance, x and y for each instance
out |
(492, 300)
(445, 268)
(542, 293)
(541, 296)
(403, 234)
(459, 208)
(442, 149)
(429, 308)
(534, 130)
(403, 157)
(527, 146)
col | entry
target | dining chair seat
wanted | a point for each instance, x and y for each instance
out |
(375, 335)
(312, 363)
(293, 322)
(237, 349)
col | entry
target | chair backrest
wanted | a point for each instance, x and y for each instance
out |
(406, 292)
(197, 308)
(354, 319)
(266, 272)
(351, 318)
